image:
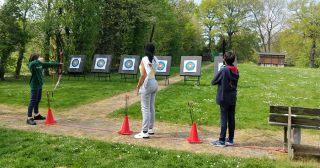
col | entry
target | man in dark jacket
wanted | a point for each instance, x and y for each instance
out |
(227, 81)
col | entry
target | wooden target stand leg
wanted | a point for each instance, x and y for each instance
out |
(165, 77)
(77, 75)
(185, 79)
(125, 76)
(107, 75)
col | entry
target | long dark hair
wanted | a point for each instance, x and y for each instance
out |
(34, 56)
(149, 49)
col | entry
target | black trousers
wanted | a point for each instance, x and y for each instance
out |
(35, 99)
(227, 120)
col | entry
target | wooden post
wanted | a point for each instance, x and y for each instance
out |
(297, 135)
(290, 150)
(285, 138)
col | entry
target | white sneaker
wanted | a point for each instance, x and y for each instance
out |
(151, 131)
(141, 135)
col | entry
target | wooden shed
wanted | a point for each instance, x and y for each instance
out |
(271, 59)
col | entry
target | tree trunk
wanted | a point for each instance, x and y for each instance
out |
(312, 53)
(19, 62)
(269, 42)
(229, 41)
(2, 68)
(47, 39)
(58, 44)
(47, 51)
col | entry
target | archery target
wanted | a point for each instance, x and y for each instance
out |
(75, 63)
(162, 66)
(128, 64)
(101, 63)
(190, 66)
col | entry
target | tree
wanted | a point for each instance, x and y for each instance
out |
(269, 18)
(232, 17)
(306, 20)
(24, 7)
(9, 33)
(207, 13)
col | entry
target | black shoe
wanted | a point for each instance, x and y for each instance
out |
(39, 117)
(31, 121)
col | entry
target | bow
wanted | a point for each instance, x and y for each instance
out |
(59, 71)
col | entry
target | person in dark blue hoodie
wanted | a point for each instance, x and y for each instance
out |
(227, 81)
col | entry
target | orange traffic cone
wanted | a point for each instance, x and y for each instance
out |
(125, 130)
(193, 138)
(50, 120)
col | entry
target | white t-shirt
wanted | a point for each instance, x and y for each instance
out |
(151, 70)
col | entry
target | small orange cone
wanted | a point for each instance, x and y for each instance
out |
(50, 120)
(125, 130)
(193, 138)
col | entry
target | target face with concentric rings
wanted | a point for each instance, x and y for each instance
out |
(101, 63)
(162, 66)
(128, 64)
(190, 66)
(75, 63)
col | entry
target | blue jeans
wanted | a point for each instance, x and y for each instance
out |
(35, 99)
(227, 120)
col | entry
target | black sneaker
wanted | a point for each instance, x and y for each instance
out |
(31, 121)
(39, 117)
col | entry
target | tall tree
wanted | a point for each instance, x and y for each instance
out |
(24, 7)
(306, 20)
(208, 16)
(269, 17)
(9, 33)
(232, 17)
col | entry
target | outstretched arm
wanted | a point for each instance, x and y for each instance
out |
(50, 64)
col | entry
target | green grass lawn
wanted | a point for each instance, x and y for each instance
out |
(29, 149)
(258, 88)
(68, 94)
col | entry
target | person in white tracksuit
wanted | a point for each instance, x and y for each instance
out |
(147, 88)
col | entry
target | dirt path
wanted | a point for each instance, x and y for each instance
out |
(89, 121)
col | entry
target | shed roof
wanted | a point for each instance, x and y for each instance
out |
(272, 54)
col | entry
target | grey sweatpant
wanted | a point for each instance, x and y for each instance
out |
(148, 95)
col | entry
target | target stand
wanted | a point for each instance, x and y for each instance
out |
(125, 76)
(190, 68)
(128, 68)
(102, 75)
(101, 66)
(76, 66)
(165, 77)
(164, 68)
(191, 78)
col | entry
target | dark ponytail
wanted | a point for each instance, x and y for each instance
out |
(149, 49)
(34, 56)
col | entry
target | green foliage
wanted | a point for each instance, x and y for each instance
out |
(26, 149)
(9, 33)
(245, 44)
(258, 88)
(305, 21)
